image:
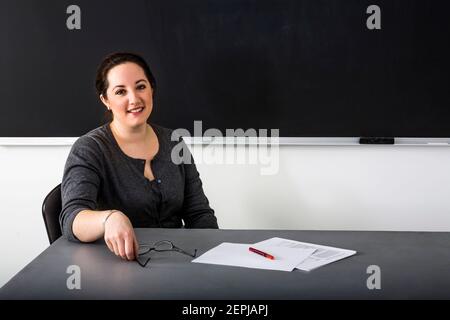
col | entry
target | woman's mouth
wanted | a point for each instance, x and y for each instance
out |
(136, 111)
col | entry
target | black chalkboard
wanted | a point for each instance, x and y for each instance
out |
(310, 68)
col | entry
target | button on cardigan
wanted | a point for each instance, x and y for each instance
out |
(98, 175)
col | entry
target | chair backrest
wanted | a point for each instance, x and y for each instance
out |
(51, 208)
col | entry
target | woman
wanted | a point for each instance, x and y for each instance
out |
(121, 175)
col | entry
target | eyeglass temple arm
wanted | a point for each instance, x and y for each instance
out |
(185, 252)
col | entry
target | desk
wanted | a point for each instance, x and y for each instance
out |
(414, 265)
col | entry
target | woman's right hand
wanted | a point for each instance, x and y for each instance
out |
(120, 237)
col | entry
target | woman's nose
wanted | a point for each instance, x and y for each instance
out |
(134, 97)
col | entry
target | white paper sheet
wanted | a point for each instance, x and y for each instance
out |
(322, 256)
(238, 254)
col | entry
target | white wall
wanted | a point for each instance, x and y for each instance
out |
(317, 187)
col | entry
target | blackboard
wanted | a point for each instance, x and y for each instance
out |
(311, 68)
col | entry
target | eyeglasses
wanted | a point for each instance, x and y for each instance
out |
(160, 246)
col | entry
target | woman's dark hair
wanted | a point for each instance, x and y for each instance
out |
(115, 59)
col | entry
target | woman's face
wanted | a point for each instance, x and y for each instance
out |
(129, 95)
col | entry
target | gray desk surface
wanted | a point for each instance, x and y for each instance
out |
(414, 265)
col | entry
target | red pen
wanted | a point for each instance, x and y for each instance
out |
(264, 254)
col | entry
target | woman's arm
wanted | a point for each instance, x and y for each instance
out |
(79, 219)
(88, 225)
(115, 226)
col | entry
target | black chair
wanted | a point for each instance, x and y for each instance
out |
(51, 209)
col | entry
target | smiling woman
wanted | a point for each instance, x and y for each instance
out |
(121, 175)
(126, 84)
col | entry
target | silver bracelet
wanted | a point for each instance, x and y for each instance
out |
(109, 214)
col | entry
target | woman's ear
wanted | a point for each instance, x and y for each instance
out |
(105, 101)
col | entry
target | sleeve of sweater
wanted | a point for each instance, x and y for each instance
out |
(80, 183)
(196, 210)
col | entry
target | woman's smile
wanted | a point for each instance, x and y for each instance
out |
(136, 111)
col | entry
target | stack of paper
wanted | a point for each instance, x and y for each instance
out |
(322, 254)
(288, 255)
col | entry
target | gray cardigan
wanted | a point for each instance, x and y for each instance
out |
(98, 175)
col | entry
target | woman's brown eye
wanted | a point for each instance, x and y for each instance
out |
(119, 92)
(142, 86)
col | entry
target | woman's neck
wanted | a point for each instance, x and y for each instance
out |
(130, 135)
